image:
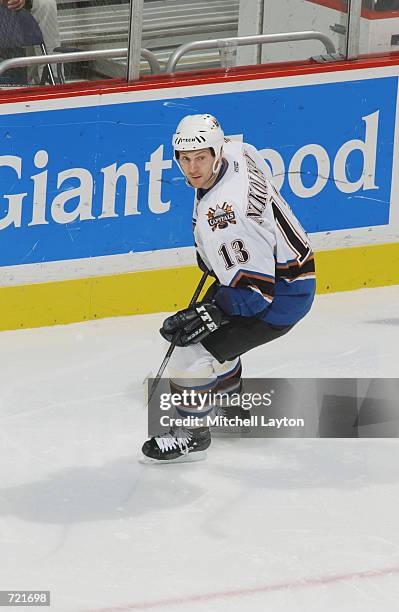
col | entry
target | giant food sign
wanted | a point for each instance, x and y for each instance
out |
(99, 180)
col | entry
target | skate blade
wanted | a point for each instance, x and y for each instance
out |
(189, 458)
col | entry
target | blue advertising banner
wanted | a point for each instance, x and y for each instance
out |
(99, 180)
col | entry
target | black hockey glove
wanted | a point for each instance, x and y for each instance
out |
(193, 324)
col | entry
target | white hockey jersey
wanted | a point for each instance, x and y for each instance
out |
(249, 237)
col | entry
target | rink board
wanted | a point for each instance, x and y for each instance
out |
(97, 222)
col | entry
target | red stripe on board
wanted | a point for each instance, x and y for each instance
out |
(282, 586)
(205, 77)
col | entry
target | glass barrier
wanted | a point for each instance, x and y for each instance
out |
(379, 27)
(40, 27)
(328, 17)
(29, 27)
(374, 28)
(90, 25)
(93, 25)
(167, 24)
(340, 37)
(183, 22)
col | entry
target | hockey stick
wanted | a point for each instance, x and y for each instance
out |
(173, 343)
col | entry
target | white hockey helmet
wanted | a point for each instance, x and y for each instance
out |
(199, 132)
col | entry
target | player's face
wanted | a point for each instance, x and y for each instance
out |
(198, 167)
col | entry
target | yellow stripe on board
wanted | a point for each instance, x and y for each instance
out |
(171, 289)
(63, 302)
(357, 267)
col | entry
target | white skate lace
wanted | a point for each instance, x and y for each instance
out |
(173, 439)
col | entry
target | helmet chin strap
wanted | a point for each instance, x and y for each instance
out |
(216, 165)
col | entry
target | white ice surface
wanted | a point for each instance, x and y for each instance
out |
(280, 525)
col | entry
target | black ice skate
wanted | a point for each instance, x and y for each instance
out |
(177, 446)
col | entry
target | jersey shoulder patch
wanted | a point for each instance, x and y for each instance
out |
(220, 216)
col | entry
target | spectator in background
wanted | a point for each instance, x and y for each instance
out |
(14, 5)
(45, 13)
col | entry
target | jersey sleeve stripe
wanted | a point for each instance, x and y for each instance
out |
(300, 278)
(292, 270)
(294, 262)
(246, 279)
(268, 298)
(252, 274)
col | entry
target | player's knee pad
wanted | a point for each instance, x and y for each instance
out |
(192, 366)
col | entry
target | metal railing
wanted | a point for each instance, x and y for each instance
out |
(239, 41)
(221, 43)
(76, 56)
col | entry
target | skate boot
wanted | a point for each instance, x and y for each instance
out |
(232, 422)
(178, 445)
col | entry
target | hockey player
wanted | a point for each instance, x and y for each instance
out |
(247, 236)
